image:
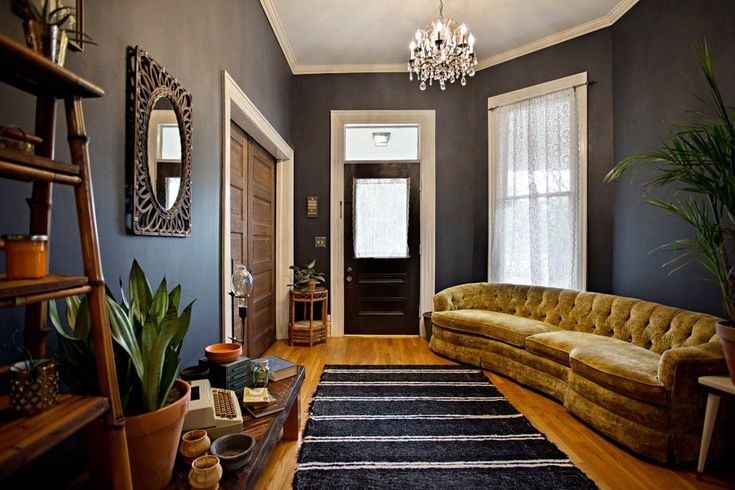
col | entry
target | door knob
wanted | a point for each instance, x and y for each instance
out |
(348, 278)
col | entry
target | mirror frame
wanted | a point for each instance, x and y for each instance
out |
(148, 81)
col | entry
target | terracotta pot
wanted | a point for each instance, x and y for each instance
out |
(311, 285)
(194, 443)
(726, 333)
(205, 473)
(153, 439)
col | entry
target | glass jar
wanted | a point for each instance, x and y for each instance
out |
(261, 373)
(26, 256)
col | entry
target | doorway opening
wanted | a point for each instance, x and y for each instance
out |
(382, 223)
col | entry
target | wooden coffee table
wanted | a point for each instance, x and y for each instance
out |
(267, 431)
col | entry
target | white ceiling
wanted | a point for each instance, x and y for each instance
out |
(348, 36)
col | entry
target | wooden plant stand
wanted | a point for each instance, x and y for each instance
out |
(308, 332)
(25, 438)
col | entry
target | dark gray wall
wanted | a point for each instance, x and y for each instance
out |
(316, 95)
(461, 150)
(654, 67)
(195, 41)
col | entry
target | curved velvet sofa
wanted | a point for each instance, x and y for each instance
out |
(627, 367)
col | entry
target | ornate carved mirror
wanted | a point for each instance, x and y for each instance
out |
(159, 125)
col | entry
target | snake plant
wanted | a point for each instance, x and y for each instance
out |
(148, 331)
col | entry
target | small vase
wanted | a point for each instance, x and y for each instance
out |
(261, 373)
(33, 391)
(49, 41)
(726, 334)
(194, 443)
(205, 473)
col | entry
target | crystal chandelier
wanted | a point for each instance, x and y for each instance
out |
(442, 51)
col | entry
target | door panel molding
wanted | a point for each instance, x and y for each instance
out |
(427, 123)
(238, 108)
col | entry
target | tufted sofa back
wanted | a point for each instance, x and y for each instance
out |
(649, 325)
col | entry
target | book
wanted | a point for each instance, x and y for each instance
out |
(280, 368)
(269, 409)
(257, 397)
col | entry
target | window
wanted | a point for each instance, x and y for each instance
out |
(373, 142)
(537, 185)
(381, 218)
(169, 142)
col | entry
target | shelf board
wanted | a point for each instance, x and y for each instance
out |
(20, 165)
(25, 438)
(29, 71)
(25, 291)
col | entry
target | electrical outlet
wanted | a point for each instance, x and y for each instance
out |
(320, 242)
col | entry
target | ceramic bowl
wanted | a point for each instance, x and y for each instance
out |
(223, 353)
(233, 450)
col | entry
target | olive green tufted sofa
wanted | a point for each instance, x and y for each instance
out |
(627, 367)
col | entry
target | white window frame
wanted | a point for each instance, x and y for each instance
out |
(579, 83)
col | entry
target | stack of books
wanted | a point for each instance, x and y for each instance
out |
(258, 402)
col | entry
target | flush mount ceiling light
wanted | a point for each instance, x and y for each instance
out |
(443, 51)
(381, 139)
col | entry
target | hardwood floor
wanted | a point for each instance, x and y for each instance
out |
(609, 465)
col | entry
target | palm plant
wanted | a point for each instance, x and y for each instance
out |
(695, 167)
(148, 331)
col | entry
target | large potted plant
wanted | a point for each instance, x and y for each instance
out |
(148, 332)
(695, 168)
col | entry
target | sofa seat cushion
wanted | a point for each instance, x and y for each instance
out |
(492, 324)
(557, 345)
(621, 367)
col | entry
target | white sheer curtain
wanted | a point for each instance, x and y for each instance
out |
(535, 234)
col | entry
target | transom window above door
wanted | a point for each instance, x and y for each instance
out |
(375, 142)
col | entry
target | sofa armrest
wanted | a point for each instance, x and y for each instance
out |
(443, 300)
(691, 362)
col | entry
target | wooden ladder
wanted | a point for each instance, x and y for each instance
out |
(25, 438)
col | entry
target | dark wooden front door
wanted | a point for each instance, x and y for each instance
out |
(382, 294)
(252, 236)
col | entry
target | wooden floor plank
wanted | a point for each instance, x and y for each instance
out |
(608, 464)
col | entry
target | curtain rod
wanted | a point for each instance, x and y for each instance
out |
(587, 83)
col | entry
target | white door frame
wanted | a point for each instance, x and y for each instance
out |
(427, 124)
(238, 108)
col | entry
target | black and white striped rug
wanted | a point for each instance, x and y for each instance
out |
(423, 427)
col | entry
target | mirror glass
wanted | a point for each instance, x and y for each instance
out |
(164, 152)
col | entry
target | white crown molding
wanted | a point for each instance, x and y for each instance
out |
(600, 23)
(275, 22)
(594, 25)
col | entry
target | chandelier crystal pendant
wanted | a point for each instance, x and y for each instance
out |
(442, 51)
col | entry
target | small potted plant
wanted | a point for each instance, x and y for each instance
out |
(46, 24)
(34, 383)
(306, 278)
(148, 331)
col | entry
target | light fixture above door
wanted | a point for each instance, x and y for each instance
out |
(443, 51)
(381, 138)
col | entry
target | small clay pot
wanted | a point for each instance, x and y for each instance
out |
(726, 333)
(205, 473)
(311, 286)
(194, 443)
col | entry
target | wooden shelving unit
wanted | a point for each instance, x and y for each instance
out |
(25, 438)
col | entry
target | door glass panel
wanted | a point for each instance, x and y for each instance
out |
(381, 218)
(381, 143)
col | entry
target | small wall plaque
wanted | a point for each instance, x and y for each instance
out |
(312, 206)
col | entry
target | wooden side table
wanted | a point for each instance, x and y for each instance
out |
(717, 386)
(308, 332)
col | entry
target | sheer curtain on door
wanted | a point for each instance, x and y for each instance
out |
(535, 201)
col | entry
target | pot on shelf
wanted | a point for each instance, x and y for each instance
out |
(726, 334)
(35, 390)
(311, 286)
(47, 40)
